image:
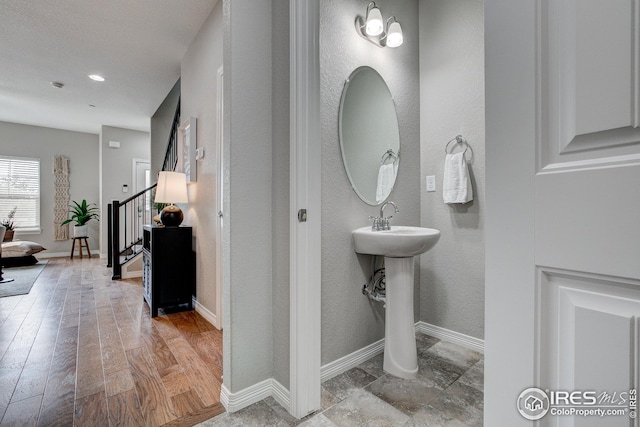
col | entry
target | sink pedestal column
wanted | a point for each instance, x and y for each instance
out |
(400, 352)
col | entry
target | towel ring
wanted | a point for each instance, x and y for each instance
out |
(459, 140)
(387, 155)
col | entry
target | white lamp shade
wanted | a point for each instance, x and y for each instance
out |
(374, 24)
(394, 35)
(172, 188)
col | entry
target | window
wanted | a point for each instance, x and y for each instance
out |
(20, 189)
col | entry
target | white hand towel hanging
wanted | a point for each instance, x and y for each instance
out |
(386, 179)
(456, 187)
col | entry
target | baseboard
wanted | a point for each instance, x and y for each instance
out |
(281, 394)
(234, 402)
(349, 361)
(358, 357)
(451, 336)
(206, 313)
(270, 387)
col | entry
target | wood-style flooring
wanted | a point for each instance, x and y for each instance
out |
(82, 350)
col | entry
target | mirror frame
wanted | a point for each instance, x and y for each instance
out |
(354, 186)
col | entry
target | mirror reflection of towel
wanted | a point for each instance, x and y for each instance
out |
(456, 187)
(386, 179)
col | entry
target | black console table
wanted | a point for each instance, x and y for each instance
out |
(168, 276)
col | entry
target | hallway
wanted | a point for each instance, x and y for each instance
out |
(81, 349)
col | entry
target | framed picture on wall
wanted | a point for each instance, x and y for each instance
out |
(187, 149)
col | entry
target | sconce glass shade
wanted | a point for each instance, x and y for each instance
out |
(374, 25)
(394, 34)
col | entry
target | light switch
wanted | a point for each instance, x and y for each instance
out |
(199, 153)
(431, 183)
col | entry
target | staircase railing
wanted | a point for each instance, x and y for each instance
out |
(171, 155)
(127, 218)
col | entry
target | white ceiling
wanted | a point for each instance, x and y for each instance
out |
(137, 45)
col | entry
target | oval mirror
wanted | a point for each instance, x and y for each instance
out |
(369, 135)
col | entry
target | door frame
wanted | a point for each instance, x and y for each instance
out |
(220, 194)
(134, 163)
(510, 296)
(305, 186)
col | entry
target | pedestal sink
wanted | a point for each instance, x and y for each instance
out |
(398, 246)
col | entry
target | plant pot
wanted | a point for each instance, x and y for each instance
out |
(8, 235)
(80, 230)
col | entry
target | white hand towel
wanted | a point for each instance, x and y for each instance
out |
(456, 187)
(386, 179)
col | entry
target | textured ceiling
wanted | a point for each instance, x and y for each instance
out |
(137, 45)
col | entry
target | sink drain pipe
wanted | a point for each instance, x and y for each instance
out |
(375, 289)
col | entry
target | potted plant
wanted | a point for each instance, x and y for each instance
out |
(9, 225)
(81, 214)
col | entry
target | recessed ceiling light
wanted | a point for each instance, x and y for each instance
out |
(96, 77)
(57, 85)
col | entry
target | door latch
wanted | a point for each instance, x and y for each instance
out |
(302, 215)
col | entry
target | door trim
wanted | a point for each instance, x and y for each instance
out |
(220, 193)
(134, 163)
(305, 170)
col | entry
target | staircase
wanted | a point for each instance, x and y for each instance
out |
(127, 218)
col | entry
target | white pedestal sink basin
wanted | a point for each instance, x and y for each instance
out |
(398, 246)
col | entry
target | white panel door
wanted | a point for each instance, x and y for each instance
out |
(563, 197)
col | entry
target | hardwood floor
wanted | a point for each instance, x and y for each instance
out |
(81, 349)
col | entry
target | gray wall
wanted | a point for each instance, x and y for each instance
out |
(349, 320)
(451, 103)
(44, 143)
(116, 166)
(161, 129)
(280, 189)
(247, 302)
(199, 93)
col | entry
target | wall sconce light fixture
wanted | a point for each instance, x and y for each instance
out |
(371, 27)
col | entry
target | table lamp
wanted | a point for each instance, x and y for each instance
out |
(172, 188)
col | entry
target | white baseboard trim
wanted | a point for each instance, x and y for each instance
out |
(352, 360)
(234, 402)
(451, 336)
(270, 387)
(206, 313)
(281, 394)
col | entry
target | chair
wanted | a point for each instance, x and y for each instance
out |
(3, 230)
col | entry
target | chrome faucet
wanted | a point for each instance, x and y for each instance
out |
(381, 223)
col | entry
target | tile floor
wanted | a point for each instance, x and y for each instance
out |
(447, 392)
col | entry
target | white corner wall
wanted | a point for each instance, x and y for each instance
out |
(198, 89)
(452, 103)
(44, 143)
(247, 297)
(280, 187)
